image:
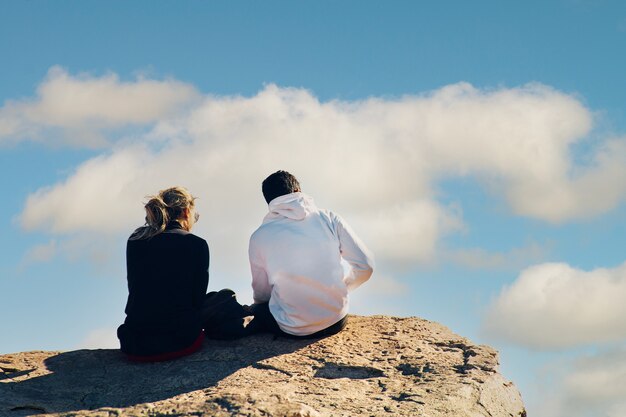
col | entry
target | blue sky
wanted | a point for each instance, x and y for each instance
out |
(479, 148)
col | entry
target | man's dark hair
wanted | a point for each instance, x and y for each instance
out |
(279, 183)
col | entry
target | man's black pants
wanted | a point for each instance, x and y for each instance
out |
(264, 322)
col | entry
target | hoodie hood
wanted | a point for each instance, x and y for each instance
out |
(295, 206)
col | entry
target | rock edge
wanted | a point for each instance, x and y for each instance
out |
(377, 366)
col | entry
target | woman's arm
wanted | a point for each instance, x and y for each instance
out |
(202, 275)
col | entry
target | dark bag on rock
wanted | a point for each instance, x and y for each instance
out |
(222, 316)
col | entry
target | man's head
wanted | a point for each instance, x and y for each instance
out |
(279, 183)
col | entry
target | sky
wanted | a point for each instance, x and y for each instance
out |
(478, 148)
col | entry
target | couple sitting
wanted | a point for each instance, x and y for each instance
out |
(300, 286)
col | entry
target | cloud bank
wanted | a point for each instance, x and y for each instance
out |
(517, 141)
(553, 305)
(376, 161)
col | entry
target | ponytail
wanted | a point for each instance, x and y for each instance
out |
(162, 209)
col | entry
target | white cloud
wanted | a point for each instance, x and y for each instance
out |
(553, 305)
(102, 196)
(375, 161)
(590, 190)
(588, 386)
(407, 232)
(76, 109)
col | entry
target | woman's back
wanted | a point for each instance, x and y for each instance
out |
(167, 272)
(167, 280)
(167, 275)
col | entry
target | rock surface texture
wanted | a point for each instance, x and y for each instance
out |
(377, 366)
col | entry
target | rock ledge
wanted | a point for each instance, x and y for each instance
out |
(377, 366)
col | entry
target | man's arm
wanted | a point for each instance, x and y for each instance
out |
(353, 251)
(261, 289)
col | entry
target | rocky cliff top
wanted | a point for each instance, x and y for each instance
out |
(377, 366)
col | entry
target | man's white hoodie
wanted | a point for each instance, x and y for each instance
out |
(296, 261)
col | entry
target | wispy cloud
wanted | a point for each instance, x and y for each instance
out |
(40, 253)
(554, 305)
(101, 338)
(100, 253)
(515, 259)
(385, 286)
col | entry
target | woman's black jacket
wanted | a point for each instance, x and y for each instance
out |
(168, 276)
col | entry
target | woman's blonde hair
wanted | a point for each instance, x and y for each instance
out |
(167, 206)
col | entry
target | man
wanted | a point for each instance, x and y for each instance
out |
(297, 259)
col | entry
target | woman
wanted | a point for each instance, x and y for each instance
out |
(167, 271)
